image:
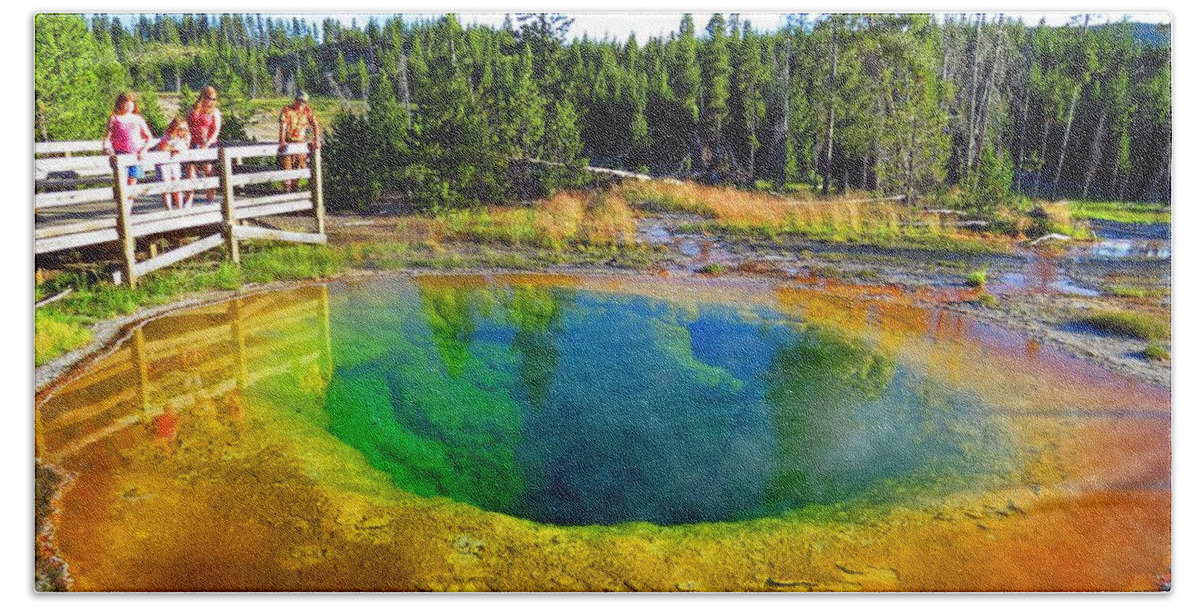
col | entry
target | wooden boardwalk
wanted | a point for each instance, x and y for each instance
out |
(75, 204)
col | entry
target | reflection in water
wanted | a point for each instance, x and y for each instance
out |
(537, 315)
(202, 361)
(449, 314)
(428, 408)
(1043, 274)
(847, 415)
(1130, 240)
(575, 407)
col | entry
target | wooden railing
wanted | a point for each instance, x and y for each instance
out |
(76, 200)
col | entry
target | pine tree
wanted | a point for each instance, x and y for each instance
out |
(350, 148)
(562, 144)
(69, 102)
(748, 105)
(715, 72)
(361, 79)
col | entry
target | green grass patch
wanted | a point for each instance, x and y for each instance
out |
(95, 298)
(713, 269)
(1157, 352)
(987, 300)
(1135, 291)
(63, 325)
(510, 227)
(868, 274)
(1130, 213)
(977, 277)
(56, 333)
(1132, 324)
(913, 239)
(290, 262)
(435, 256)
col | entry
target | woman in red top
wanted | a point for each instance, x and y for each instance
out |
(204, 122)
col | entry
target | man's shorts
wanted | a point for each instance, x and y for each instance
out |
(136, 172)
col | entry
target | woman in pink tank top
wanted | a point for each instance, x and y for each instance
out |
(204, 123)
(127, 133)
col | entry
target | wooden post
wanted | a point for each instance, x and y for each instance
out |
(326, 334)
(138, 354)
(239, 343)
(318, 192)
(237, 162)
(231, 243)
(124, 210)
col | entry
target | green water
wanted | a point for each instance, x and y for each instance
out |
(577, 407)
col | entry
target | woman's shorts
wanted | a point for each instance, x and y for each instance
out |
(136, 172)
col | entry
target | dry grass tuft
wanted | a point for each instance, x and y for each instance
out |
(566, 218)
(846, 217)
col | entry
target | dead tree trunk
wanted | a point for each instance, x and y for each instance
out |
(1037, 185)
(832, 105)
(1024, 130)
(779, 143)
(982, 120)
(402, 85)
(974, 92)
(1116, 168)
(1094, 153)
(1062, 154)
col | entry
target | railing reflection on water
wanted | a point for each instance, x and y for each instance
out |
(204, 357)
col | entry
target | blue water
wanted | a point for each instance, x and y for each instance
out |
(581, 407)
(1135, 241)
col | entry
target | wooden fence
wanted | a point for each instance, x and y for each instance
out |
(78, 203)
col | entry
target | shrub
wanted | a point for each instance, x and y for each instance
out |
(1046, 218)
(989, 186)
(977, 278)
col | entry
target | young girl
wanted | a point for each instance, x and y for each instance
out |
(204, 121)
(175, 140)
(127, 133)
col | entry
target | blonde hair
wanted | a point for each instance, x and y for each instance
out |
(207, 94)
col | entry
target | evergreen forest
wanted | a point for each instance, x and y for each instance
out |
(974, 109)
